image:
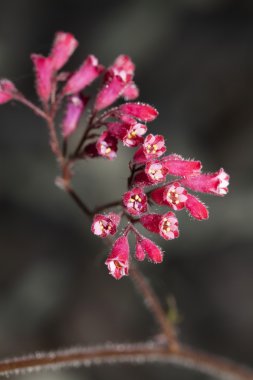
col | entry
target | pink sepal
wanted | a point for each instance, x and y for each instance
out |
(141, 111)
(84, 76)
(153, 252)
(44, 72)
(157, 195)
(74, 110)
(7, 91)
(63, 47)
(196, 208)
(151, 222)
(139, 156)
(118, 260)
(213, 183)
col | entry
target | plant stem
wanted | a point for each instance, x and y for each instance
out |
(154, 305)
(137, 353)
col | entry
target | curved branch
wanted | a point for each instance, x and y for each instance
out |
(125, 353)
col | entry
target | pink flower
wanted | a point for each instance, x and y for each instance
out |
(118, 260)
(129, 133)
(214, 183)
(44, 71)
(166, 225)
(176, 165)
(107, 146)
(117, 80)
(134, 135)
(110, 92)
(153, 252)
(135, 201)
(141, 111)
(173, 195)
(156, 171)
(104, 225)
(196, 208)
(63, 47)
(153, 147)
(74, 110)
(124, 67)
(84, 76)
(7, 91)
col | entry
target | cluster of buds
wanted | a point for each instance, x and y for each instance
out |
(151, 177)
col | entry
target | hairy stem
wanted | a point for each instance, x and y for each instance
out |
(154, 305)
(137, 353)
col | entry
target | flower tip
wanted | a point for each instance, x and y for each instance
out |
(7, 90)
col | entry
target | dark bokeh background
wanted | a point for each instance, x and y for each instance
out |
(195, 64)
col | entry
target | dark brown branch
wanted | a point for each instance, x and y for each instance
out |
(125, 353)
(38, 111)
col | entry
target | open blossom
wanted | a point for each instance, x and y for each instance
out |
(156, 171)
(152, 148)
(165, 225)
(129, 133)
(104, 225)
(173, 195)
(7, 91)
(107, 146)
(135, 201)
(214, 183)
(118, 260)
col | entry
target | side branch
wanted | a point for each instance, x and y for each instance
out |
(125, 353)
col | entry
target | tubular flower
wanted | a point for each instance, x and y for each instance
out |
(165, 225)
(63, 47)
(104, 225)
(135, 201)
(118, 260)
(213, 183)
(44, 71)
(84, 76)
(176, 165)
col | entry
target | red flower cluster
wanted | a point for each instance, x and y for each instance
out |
(124, 123)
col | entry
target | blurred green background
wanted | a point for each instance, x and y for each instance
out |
(195, 64)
